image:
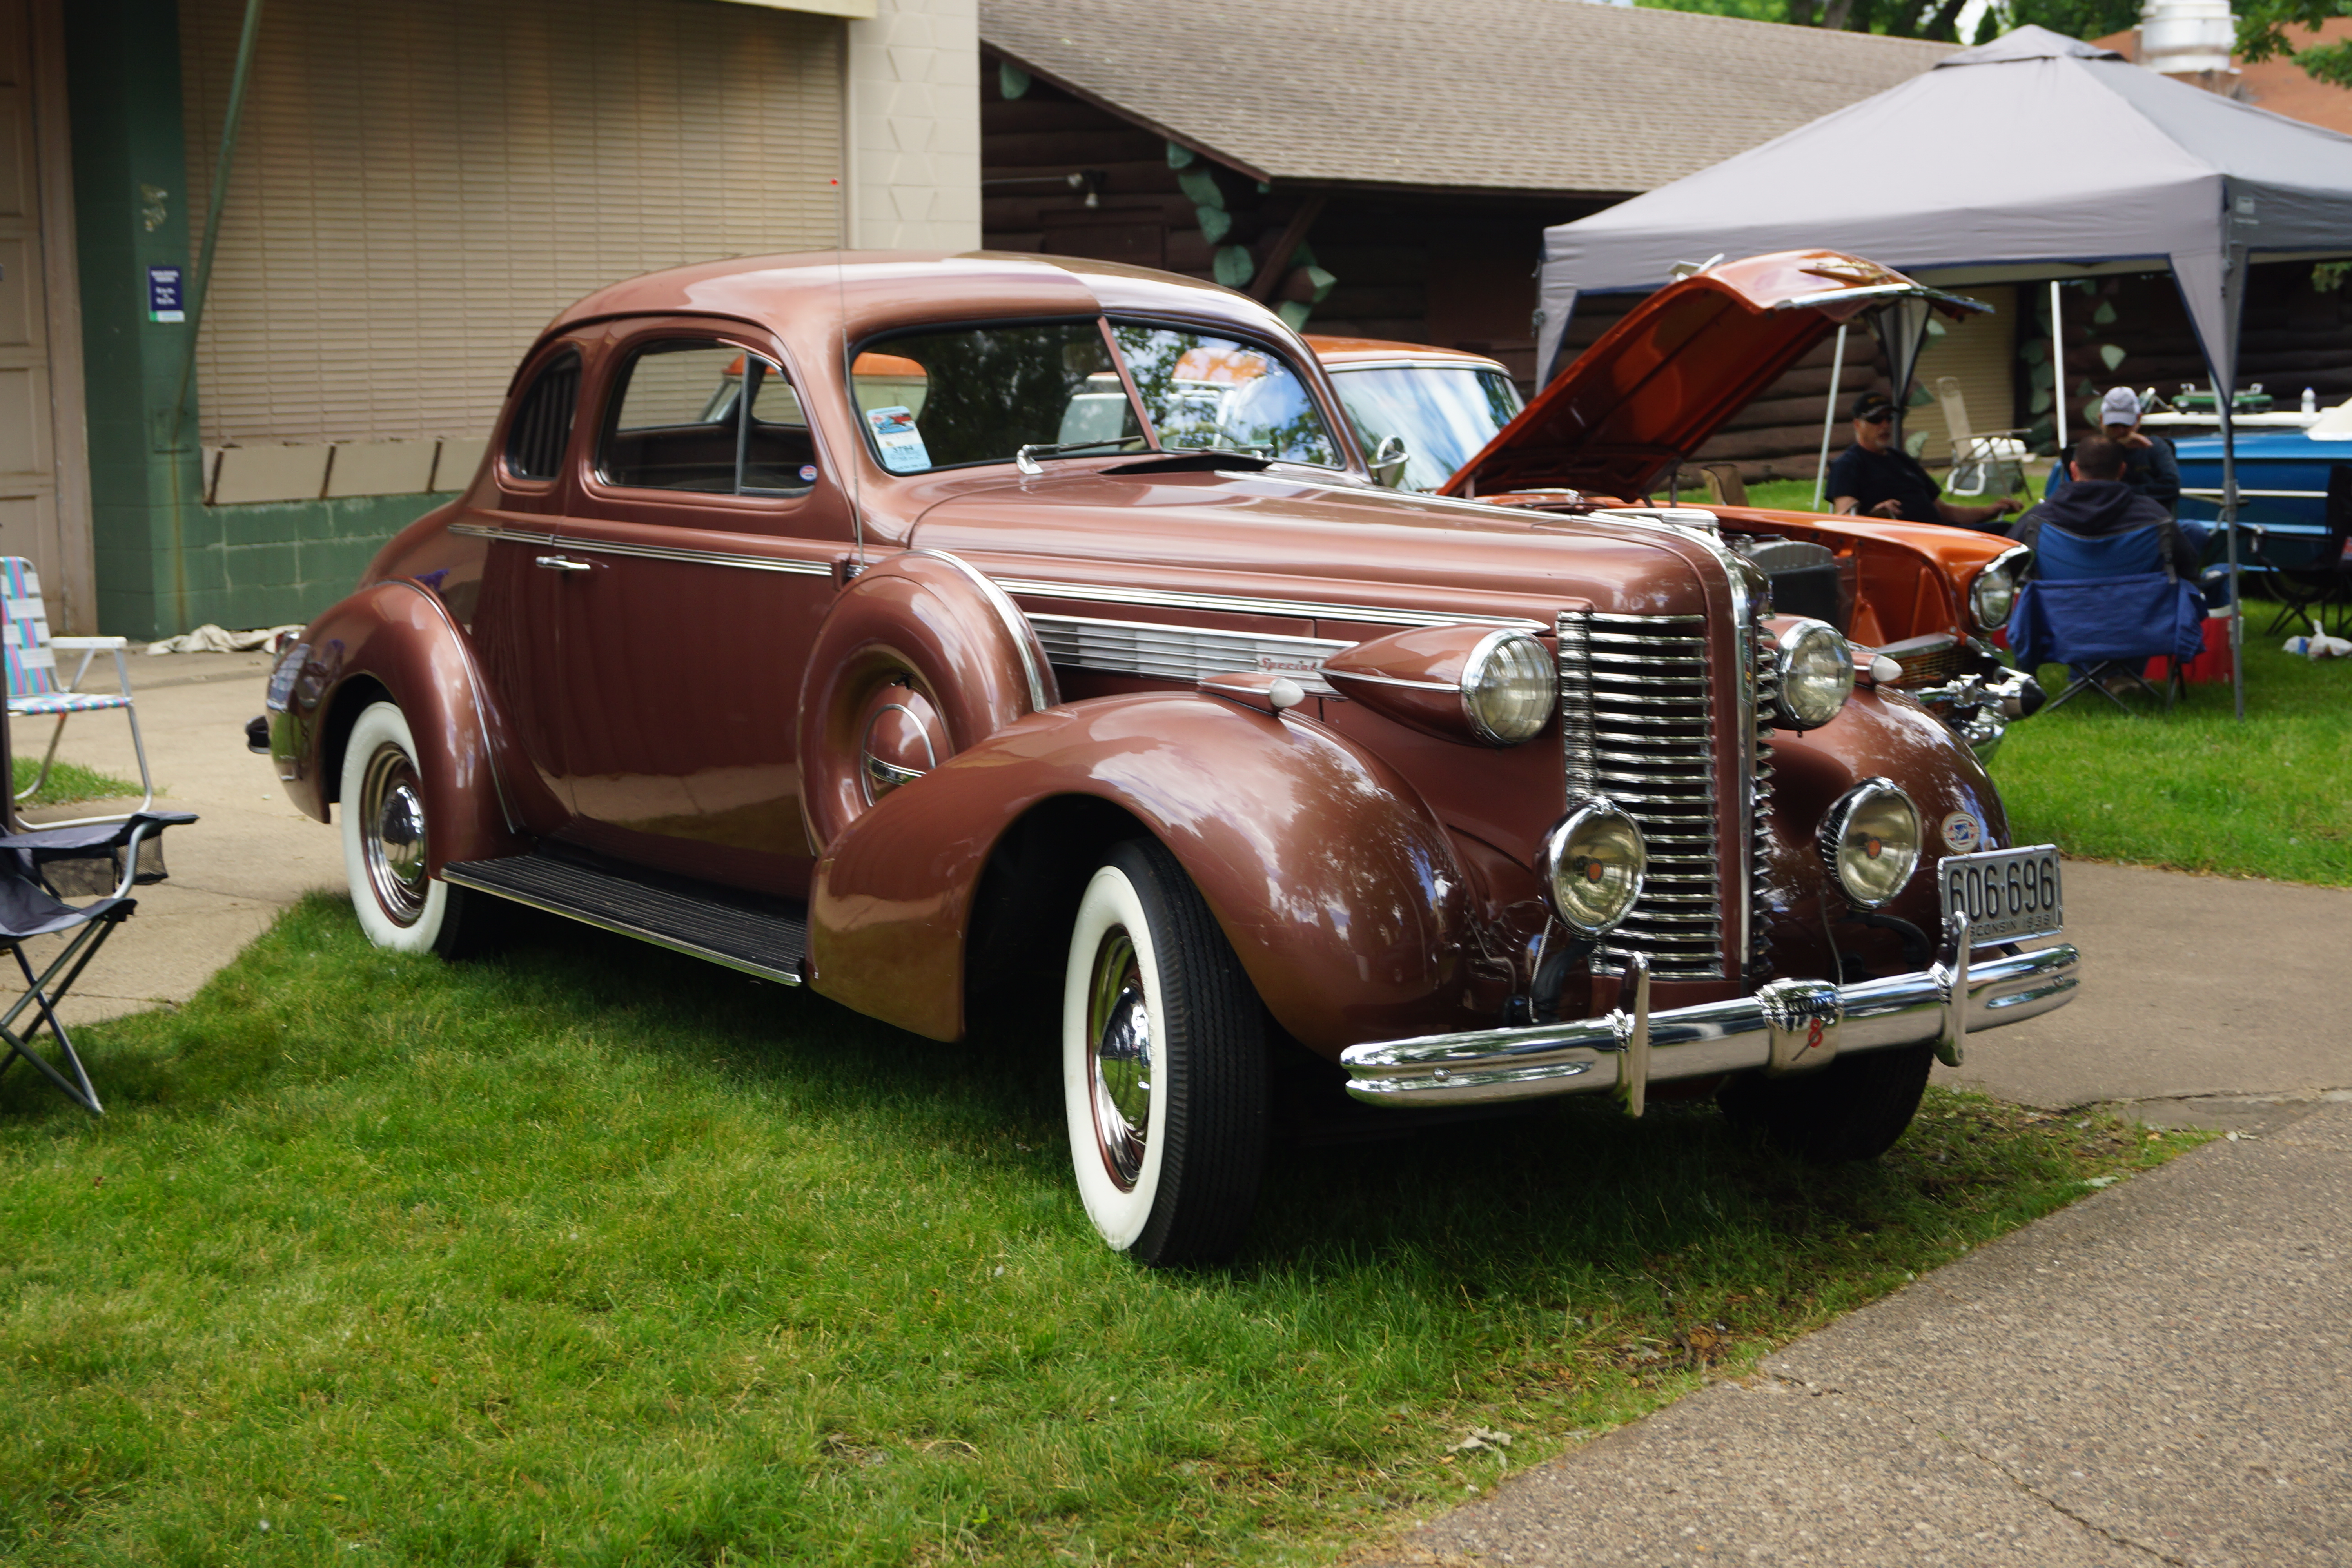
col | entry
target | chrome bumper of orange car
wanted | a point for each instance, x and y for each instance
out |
(1788, 1026)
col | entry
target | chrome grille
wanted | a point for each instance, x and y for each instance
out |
(1636, 726)
(1766, 665)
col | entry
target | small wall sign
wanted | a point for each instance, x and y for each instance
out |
(165, 300)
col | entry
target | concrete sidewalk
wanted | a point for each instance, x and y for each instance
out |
(2161, 1373)
(250, 855)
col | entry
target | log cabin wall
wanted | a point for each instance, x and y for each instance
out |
(2293, 334)
(1454, 269)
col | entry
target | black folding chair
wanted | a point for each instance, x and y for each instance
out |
(2323, 584)
(31, 864)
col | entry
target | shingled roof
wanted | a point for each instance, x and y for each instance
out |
(1499, 95)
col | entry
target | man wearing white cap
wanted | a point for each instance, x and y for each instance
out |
(2149, 467)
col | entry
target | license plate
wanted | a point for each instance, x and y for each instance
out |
(2007, 894)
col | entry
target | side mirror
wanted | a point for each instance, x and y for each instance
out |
(1389, 460)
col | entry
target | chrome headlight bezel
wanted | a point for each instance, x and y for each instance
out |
(1566, 851)
(1992, 595)
(1807, 653)
(1510, 688)
(1849, 846)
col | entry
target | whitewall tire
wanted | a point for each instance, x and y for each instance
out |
(1163, 1065)
(386, 838)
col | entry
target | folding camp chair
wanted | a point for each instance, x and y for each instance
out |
(33, 688)
(2321, 589)
(2104, 608)
(30, 907)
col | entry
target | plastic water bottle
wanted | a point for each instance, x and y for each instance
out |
(2310, 401)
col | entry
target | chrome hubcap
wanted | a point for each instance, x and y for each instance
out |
(1118, 1058)
(392, 834)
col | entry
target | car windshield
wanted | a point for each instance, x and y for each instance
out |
(1203, 391)
(979, 394)
(1445, 413)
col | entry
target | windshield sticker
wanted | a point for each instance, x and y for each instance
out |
(901, 443)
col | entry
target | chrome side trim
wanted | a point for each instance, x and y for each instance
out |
(622, 928)
(741, 562)
(1491, 1066)
(1182, 653)
(1043, 693)
(1238, 604)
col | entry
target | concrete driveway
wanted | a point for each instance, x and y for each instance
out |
(251, 855)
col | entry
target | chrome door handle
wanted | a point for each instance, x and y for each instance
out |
(562, 563)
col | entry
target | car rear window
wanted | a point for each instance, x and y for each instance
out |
(541, 428)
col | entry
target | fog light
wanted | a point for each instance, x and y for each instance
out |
(1592, 863)
(1870, 841)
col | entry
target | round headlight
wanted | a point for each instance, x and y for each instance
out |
(1592, 862)
(1871, 840)
(1816, 670)
(1994, 593)
(1507, 687)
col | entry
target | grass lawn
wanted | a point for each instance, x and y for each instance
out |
(68, 781)
(2195, 789)
(596, 1255)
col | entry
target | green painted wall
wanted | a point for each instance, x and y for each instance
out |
(123, 64)
(287, 561)
(165, 561)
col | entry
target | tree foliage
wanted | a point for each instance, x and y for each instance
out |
(2262, 34)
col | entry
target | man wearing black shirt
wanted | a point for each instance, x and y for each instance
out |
(1874, 478)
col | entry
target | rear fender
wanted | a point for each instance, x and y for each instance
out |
(1884, 733)
(1337, 888)
(396, 641)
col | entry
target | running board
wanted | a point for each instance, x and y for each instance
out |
(739, 929)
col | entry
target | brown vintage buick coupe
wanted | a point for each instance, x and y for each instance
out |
(938, 630)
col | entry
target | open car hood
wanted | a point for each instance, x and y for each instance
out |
(1680, 365)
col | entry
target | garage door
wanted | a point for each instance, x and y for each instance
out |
(420, 185)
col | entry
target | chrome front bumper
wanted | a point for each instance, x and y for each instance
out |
(1788, 1026)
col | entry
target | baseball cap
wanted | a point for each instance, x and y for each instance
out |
(2120, 406)
(1871, 404)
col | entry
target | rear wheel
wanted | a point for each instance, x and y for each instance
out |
(1163, 1065)
(399, 905)
(1853, 1108)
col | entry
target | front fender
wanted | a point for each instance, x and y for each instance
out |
(1880, 732)
(397, 640)
(1338, 890)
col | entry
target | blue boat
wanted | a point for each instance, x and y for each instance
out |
(2281, 483)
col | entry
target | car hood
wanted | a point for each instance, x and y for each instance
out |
(1283, 533)
(1677, 367)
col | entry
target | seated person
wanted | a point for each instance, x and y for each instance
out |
(1875, 477)
(2149, 465)
(2098, 504)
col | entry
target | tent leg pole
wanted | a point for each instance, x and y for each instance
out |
(1828, 419)
(2058, 368)
(2229, 526)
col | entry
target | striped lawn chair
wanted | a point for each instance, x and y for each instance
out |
(33, 688)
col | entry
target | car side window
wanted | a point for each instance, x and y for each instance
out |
(541, 429)
(696, 414)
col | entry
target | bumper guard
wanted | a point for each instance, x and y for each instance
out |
(1787, 1026)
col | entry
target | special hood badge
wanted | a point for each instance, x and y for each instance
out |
(1963, 832)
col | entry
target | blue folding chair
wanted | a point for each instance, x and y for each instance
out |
(2104, 608)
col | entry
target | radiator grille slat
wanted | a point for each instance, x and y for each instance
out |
(1638, 727)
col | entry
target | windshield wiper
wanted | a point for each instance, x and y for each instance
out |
(1025, 459)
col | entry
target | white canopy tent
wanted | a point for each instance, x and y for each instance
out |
(2044, 158)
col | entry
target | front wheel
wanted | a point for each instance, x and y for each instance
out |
(1163, 1065)
(399, 905)
(1853, 1108)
